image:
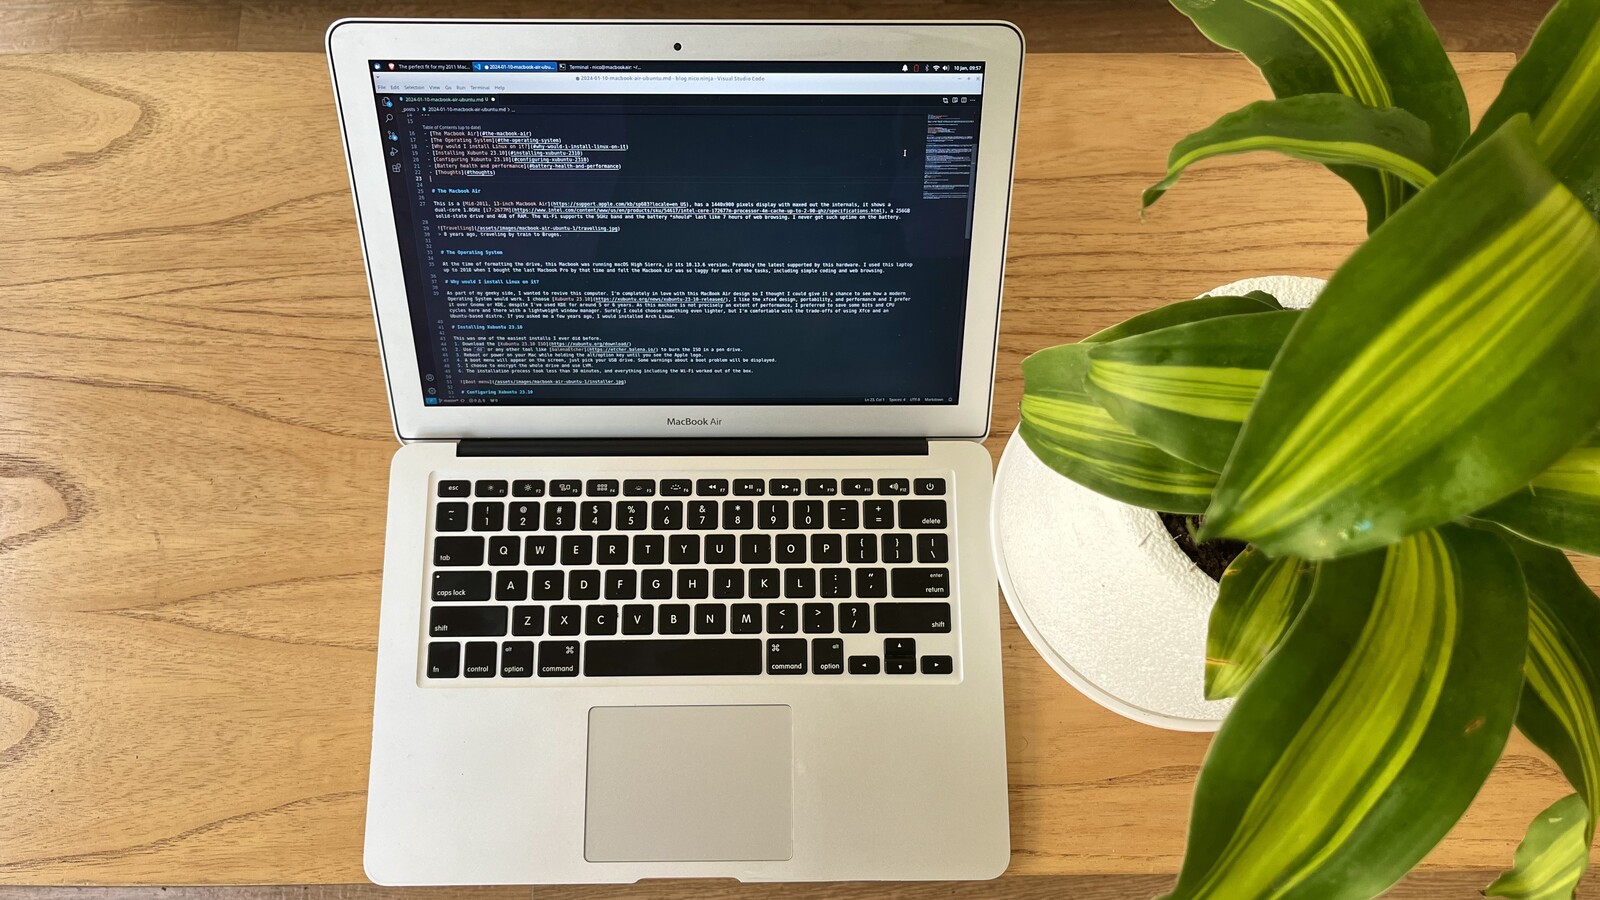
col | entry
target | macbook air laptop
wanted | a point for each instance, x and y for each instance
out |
(689, 333)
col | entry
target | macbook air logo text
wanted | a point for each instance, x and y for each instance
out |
(676, 420)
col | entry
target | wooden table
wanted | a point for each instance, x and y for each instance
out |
(194, 441)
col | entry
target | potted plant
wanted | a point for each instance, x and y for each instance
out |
(1406, 459)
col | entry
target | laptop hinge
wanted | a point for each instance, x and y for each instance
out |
(693, 447)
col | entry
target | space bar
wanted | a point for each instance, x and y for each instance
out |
(615, 659)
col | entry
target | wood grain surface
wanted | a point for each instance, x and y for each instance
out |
(195, 439)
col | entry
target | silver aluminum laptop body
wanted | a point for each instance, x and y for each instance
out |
(796, 772)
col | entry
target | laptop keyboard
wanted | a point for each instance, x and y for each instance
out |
(651, 577)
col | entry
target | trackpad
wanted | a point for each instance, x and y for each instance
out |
(689, 783)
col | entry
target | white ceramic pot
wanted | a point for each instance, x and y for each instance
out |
(1100, 588)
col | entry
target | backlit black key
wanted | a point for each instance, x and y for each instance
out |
(548, 584)
(821, 487)
(577, 550)
(560, 516)
(799, 584)
(673, 618)
(566, 487)
(600, 619)
(455, 489)
(595, 515)
(633, 515)
(745, 618)
(791, 548)
(558, 659)
(827, 656)
(601, 487)
(622, 584)
(683, 549)
(764, 583)
(458, 551)
(444, 657)
(460, 586)
(928, 485)
(920, 582)
(773, 514)
(844, 514)
(817, 618)
(749, 487)
(784, 487)
(783, 618)
(625, 659)
(922, 514)
(721, 548)
(808, 514)
(450, 517)
(710, 618)
(900, 648)
(854, 618)
(505, 550)
(871, 583)
(481, 659)
(566, 620)
(693, 584)
(527, 487)
(863, 665)
(786, 656)
(490, 489)
(666, 515)
(639, 487)
(466, 621)
(611, 550)
(488, 515)
(911, 618)
(711, 487)
(511, 585)
(857, 487)
(703, 515)
(738, 515)
(896, 548)
(516, 659)
(638, 618)
(676, 487)
(835, 583)
(861, 548)
(649, 550)
(877, 513)
(527, 621)
(655, 584)
(827, 548)
(727, 584)
(938, 665)
(755, 549)
(523, 517)
(583, 584)
(894, 486)
(539, 550)
(933, 548)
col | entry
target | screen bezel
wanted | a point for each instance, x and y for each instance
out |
(352, 42)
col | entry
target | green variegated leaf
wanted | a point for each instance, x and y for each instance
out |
(1066, 429)
(1560, 709)
(1332, 129)
(1383, 53)
(1257, 601)
(1557, 82)
(1361, 741)
(1188, 388)
(1551, 860)
(1448, 362)
(1561, 506)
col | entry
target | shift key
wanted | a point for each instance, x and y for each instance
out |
(919, 582)
(911, 618)
(467, 621)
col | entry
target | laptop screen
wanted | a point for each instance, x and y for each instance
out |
(580, 232)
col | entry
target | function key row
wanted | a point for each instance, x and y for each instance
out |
(684, 487)
(612, 659)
